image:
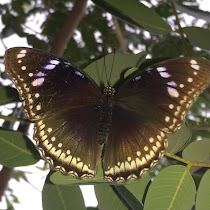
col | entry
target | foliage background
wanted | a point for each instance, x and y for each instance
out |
(78, 31)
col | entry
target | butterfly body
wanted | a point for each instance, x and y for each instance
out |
(105, 114)
(75, 121)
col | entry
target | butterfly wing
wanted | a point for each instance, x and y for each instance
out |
(61, 99)
(149, 105)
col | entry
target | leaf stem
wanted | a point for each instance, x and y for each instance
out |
(180, 30)
(119, 35)
(8, 118)
(188, 162)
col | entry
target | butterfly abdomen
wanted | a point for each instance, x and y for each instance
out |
(104, 126)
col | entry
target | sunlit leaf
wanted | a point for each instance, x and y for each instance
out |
(16, 149)
(173, 188)
(8, 95)
(198, 36)
(131, 10)
(56, 197)
(198, 151)
(177, 140)
(203, 194)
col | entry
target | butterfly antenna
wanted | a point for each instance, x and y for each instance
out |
(105, 66)
(112, 67)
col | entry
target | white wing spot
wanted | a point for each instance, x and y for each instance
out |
(138, 153)
(173, 92)
(146, 148)
(49, 67)
(40, 74)
(151, 140)
(30, 74)
(23, 52)
(38, 107)
(172, 83)
(171, 106)
(195, 73)
(161, 68)
(60, 145)
(49, 130)
(165, 74)
(196, 67)
(189, 79)
(167, 118)
(129, 158)
(21, 55)
(37, 82)
(19, 61)
(181, 85)
(53, 138)
(23, 68)
(55, 62)
(37, 95)
(193, 62)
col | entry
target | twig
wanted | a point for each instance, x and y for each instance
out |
(67, 30)
(188, 162)
(8, 118)
(1, 38)
(5, 175)
(199, 128)
(180, 30)
(119, 35)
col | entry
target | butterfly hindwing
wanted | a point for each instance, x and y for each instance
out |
(156, 101)
(60, 98)
(135, 147)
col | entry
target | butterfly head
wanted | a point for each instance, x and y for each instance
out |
(109, 90)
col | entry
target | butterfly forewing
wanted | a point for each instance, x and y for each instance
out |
(61, 99)
(156, 101)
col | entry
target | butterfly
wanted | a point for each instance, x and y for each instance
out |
(77, 122)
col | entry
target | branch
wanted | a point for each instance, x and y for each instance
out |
(67, 30)
(180, 30)
(119, 35)
(199, 128)
(204, 15)
(5, 175)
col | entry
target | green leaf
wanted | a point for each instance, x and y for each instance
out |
(8, 95)
(16, 149)
(128, 197)
(177, 141)
(56, 197)
(116, 62)
(173, 188)
(108, 199)
(130, 71)
(198, 36)
(137, 188)
(137, 12)
(198, 151)
(203, 194)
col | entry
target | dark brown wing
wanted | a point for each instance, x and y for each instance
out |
(149, 105)
(61, 99)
